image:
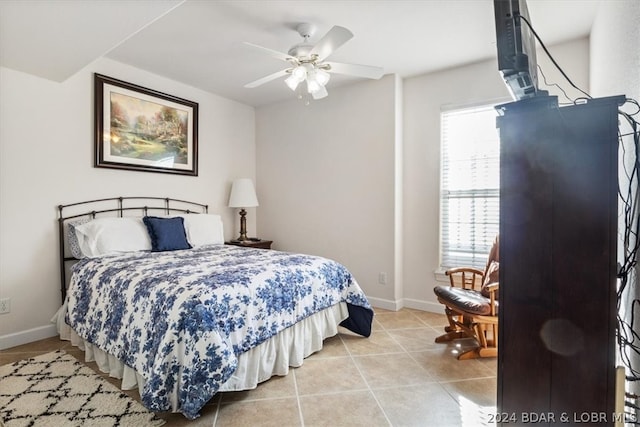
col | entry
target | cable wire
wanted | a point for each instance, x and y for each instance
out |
(518, 16)
(544, 78)
(628, 330)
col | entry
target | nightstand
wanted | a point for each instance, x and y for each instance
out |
(260, 244)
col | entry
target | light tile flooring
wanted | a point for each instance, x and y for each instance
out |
(396, 377)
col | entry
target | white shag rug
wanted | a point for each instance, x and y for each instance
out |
(54, 389)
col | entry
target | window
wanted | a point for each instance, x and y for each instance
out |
(469, 186)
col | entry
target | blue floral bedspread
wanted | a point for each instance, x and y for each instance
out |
(180, 318)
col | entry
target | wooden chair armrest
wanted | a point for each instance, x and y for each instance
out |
(457, 270)
(466, 277)
(492, 288)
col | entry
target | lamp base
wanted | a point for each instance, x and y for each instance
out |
(243, 226)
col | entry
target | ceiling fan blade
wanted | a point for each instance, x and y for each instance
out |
(336, 37)
(266, 79)
(365, 71)
(274, 53)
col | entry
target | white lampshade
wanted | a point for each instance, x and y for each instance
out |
(313, 85)
(243, 194)
(292, 81)
(297, 76)
(320, 93)
(322, 76)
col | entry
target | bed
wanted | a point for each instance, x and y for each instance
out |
(154, 296)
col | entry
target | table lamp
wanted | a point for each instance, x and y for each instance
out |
(243, 195)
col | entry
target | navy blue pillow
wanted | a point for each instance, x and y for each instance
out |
(167, 234)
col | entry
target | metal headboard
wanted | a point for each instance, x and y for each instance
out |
(116, 206)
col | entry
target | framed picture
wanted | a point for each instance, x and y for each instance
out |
(142, 129)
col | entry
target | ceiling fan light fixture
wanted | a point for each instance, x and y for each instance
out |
(292, 81)
(300, 72)
(313, 85)
(322, 76)
(320, 93)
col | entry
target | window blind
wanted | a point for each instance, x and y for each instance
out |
(470, 186)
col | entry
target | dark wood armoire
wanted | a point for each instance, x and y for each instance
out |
(558, 237)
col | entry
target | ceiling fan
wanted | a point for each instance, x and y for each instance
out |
(307, 61)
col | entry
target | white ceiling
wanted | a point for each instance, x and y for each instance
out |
(200, 42)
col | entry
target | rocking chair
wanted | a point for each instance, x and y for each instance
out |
(471, 306)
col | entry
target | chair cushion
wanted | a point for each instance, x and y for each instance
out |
(465, 300)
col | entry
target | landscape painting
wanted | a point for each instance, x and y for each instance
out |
(142, 129)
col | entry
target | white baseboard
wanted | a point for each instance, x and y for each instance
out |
(385, 303)
(430, 306)
(25, 337)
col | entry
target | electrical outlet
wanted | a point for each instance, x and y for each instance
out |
(5, 305)
(382, 278)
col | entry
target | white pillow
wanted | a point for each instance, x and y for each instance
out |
(103, 236)
(203, 229)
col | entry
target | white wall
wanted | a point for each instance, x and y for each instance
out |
(424, 96)
(326, 176)
(615, 49)
(46, 159)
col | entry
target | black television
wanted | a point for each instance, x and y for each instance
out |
(516, 49)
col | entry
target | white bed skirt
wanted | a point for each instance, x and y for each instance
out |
(273, 357)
